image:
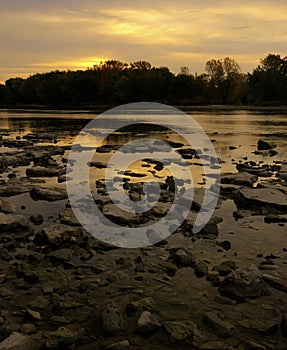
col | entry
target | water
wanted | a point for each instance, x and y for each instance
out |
(238, 128)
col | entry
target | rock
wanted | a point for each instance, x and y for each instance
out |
(28, 328)
(122, 345)
(262, 171)
(283, 326)
(263, 145)
(261, 199)
(37, 219)
(244, 283)
(4, 254)
(200, 269)
(183, 257)
(38, 171)
(250, 345)
(272, 153)
(17, 186)
(57, 235)
(275, 282)
(60, 255)
(216, 345)
(241, 178)
(6, 207)
(223, 328)
(226, 245)
(67, 217)
(225, 267)
(12, 223)
(63, 337)
(140, 305)
(18, 341)
(271, 218)
(50, 195)
(282, 173)
(266, 327)
(147, 323)
(112, 320)
(179, 331)
(34, 315)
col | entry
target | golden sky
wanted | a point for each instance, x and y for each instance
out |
(38, 36)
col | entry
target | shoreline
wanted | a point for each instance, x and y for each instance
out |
(102, 108)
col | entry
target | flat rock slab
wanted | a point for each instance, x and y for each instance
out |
(47, 194)
(258, 198)
(39, 171)
(12, 223)
(242, 178)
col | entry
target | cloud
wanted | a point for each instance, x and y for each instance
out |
(65, 34)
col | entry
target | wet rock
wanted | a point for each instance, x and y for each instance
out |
(37, 219)
(122, 345)
(14, 160)
(147, 323)
(216, 345)
(179, 331)
(6, 207)
(271, 218)
(183, 257)
(97, 165)
(67, 217)
(261, 199)
(241, 178)
(244, 283)
(263, 145)
(39, 171)
(12, 223)
(47, 194)
(223, 328)
(18, 341)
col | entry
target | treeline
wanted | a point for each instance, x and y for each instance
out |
(114, 82)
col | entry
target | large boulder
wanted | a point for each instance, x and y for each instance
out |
(243, 284)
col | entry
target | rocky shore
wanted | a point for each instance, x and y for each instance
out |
(60, 288)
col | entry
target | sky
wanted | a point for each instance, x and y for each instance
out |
(40, 36)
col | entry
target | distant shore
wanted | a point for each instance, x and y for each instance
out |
(102, 108)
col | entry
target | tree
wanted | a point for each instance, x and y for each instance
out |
(224, 78)
(268, 81)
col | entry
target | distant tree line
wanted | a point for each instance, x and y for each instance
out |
(114, 82)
